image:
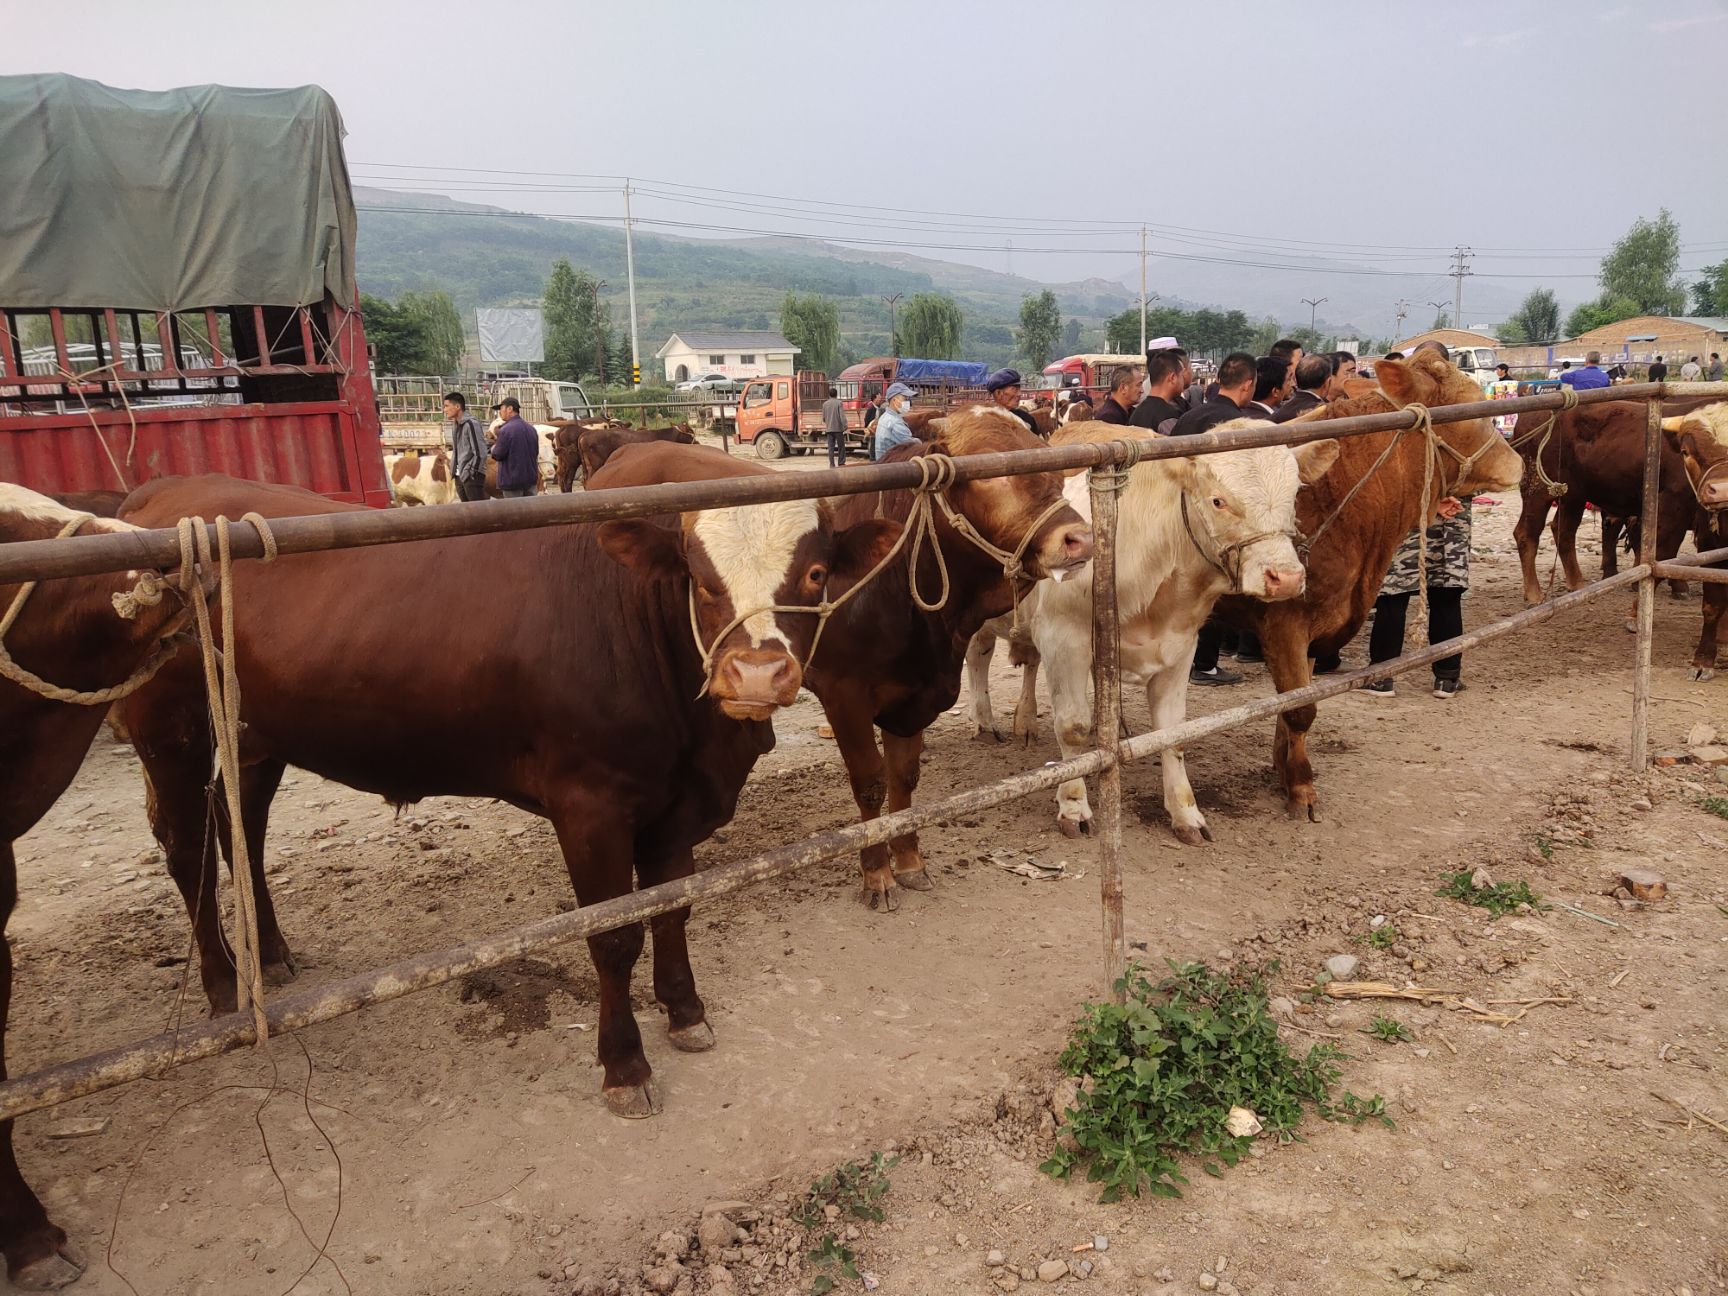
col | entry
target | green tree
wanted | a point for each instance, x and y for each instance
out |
(1071, 336)
(1536, 321)
(577, 323)
(440, 329)
(812, 324)
(1710, 294)
(1040, 327)
(617, 359)
(1597, 314)
(1640, 268)
(930, 326)
(398, 337)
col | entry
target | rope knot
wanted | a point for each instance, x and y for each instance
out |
(145, 594)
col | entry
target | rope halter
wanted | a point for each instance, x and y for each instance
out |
(1227, 559)
(1568, 400)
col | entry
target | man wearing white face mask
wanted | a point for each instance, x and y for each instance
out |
(891, 429)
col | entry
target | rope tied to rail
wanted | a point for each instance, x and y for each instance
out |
(1545, 430)
(146, 593)
(222, 688)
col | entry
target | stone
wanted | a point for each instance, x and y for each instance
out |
(662, 1278)
(1243, 1124)
(1081, 1269)
(1100, 1242)
(672, 1243)
(1721, 774)
(1428, 1273)
(1165, 1275)
(1207, 1282)
(1710, 755)
(1481, 880)
(1343, 966)
(1008, 1282)
(716, 1233)
(1052, 1271)
(1222, 1265)
(1640, 804)
(1282, 1007)
(1376, 922)
(1701, 734)
(1644, 884)
(995, 1259)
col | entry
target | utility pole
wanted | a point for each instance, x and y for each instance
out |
(600, 332)
(1440, 310)
(1142, 291)
(630, 274)
(1460, 267)
(1403, 309)
(893, 338)
(1313, 305)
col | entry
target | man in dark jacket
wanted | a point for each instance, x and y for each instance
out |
(1004, 389)
(517, 450)
(467, 449)
(1235, 389)
(1167, 373)
(1118, 406)
(1313, 373)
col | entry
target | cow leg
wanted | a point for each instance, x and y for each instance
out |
(258, 784)
(597, 846)
(38, 1256)
(1567, 518)
(1704, 659)
(674, 982)
(902, 756)
(1167, 699)
(1069, 674)
(1026, 709)
(1612, 529)
(1285, 644)
(855, 736)
(1528, 533)
(978, 655)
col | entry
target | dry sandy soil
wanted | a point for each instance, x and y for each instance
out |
(476, 1156)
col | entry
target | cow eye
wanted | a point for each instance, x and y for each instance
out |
(1218, 501)
(817, 575)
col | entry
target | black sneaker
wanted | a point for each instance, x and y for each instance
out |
(1326, 665)
(1251, 657)
(1446, 689)
(1379, 689)
(1217, 675)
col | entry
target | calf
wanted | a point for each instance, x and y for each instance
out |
(67, 632)
(420, 479)
(1366, 512)
(884, 664)
(670, 658)
(1700, 437)
(1187, 532)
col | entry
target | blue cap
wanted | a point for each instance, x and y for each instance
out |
(898, 389)
(1003, 378)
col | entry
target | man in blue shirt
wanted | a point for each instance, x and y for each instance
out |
(517, 450)
(1590, 377)
(891, 429)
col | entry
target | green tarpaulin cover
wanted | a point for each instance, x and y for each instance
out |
(171, 200)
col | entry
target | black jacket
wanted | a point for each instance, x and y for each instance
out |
(1216, 410)
(1300, 403)
(1108, 411)
(1155, 411)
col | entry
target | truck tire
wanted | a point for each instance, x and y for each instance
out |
(770, 445)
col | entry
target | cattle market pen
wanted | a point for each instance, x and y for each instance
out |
(1109, 462)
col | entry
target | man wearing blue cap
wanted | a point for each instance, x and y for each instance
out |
(1004, 389)
(891, 429)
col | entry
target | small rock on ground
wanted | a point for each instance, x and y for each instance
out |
(1343, 968)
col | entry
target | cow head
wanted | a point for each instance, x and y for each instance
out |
(1240, 511)
(1701, 437)
(1004, 509)
(1428, 378)
(744, 568)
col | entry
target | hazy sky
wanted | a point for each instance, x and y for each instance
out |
(1348, 131)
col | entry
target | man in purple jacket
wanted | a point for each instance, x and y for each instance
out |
(517, 450)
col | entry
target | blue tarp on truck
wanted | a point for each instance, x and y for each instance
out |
(942, 373)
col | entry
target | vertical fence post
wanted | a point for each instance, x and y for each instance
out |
(1104, 482)
(1646, 587)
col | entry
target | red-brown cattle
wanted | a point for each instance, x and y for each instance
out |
(1348, 560)
(68, 633)
(1701, 438)
(884, 664)
(636, 758)
(596, 445)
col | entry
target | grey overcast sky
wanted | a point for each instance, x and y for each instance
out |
(1376, 133)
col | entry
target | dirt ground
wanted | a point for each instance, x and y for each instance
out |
(476, 1157)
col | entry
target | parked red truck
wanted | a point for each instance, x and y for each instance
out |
(177, 290)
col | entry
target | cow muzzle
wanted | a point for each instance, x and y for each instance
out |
(1065, 550)
(752, 683)
(1275, 582)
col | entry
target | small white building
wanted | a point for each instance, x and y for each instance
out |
(740, 354)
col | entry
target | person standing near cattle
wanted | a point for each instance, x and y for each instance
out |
(1589, 378)
(1004, 389)
(1715, 374)
(1691, 371)
(891, 429)
(1118, 407)
(517, 450)
(467, 449)
(1658, 371)
(1168, 373)
(1314, 377)
(834, 424)
(1448, 572)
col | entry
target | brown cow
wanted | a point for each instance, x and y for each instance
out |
(1597, 453)
(884, 664)
(596, 445)
(68, 633)
(104, 504)
(635, 759)
(1701, 439)
(1347, 563)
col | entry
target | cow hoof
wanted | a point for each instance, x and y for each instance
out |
(984, 735)
(880, 899)
(1192, 836)
(1313, 814)
(633, 1102)
(915, 880)
(280, 974)
(1631, 625)
(1025, 737)
(1074, 827)
(58, 1269)
(692, 1039)
(1701, 673)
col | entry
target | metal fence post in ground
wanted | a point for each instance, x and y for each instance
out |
(1646, 587)
(1104, 482)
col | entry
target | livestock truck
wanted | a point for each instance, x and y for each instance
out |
(783, 412)
(177, 290)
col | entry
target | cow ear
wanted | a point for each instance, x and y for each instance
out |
(1315, 460)
(643, 546)
(1396, 379)
(860, 547)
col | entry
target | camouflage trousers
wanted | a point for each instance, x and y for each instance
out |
(1448, 558)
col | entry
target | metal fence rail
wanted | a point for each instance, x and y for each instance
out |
(109, 552)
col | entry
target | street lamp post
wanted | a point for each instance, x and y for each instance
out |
(1313, 305)
(1440, 309)
(893, 339)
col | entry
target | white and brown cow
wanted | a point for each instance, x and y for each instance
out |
(1188, 532)
(420, 479)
